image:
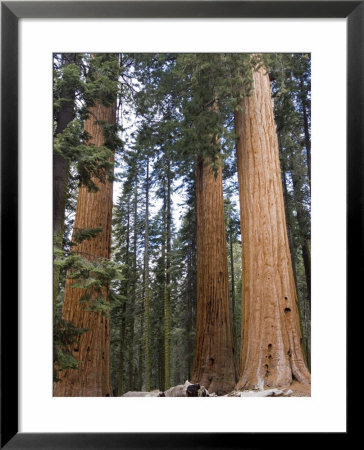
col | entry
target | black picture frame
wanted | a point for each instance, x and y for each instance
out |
(11, 12)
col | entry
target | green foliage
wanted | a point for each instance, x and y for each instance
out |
(67, 80)
(81, 234)
(94, 162)
(102, 84)
(189, 99)
(110, 131)
(98, 270)
(94, 276)
(89, 160)
(65, 335)
(95, 303)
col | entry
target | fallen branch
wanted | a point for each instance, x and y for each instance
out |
(261, 393)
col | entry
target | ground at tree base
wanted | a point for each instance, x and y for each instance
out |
(300, 390)
(295, 389)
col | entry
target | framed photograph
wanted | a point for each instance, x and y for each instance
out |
(34, 37)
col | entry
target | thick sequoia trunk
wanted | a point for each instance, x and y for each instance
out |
(94, 209)
(271, 353)
(213, 365)
(191, 295)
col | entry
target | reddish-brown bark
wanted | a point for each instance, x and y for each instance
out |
(271, 353)
(94, 210)
(214, 357)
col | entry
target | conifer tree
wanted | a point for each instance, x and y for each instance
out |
(271, 353)
(85, 303)
(232, 230)
(146, 282)
(167, 296)
(121, 304)
(163, 173)
(214, 365)
(186, 268)
(126, 237)
(64, 95)
(291, 90)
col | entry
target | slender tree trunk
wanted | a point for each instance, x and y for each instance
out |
(121, 389)
(306, 130)
(141, 343)
(94, 210)
(193, 286)
(133, 290)
(167, 298)
(130, 345)
(306, 257)
(140, 358)
(163, 290)
(271, 353)
(302, 221)
(232, 273)
(189, 294)
(161, 363)
(213, 365)
(60, 177)
(146, 286)
(289, 227)
(129, 320)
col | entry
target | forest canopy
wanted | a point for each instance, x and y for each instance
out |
(181, 222)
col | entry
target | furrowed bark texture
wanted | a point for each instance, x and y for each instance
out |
(271, 353)
(94, 209)
(213, 365)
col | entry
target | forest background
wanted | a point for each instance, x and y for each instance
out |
(163, 249)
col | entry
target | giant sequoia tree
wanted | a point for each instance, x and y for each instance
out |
(271, 353)
(92, 349)
(291, 89)
(86, 293)
(214, 365)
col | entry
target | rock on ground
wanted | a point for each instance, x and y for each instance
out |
(261, 393)
(155, 393)
(187, 390)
